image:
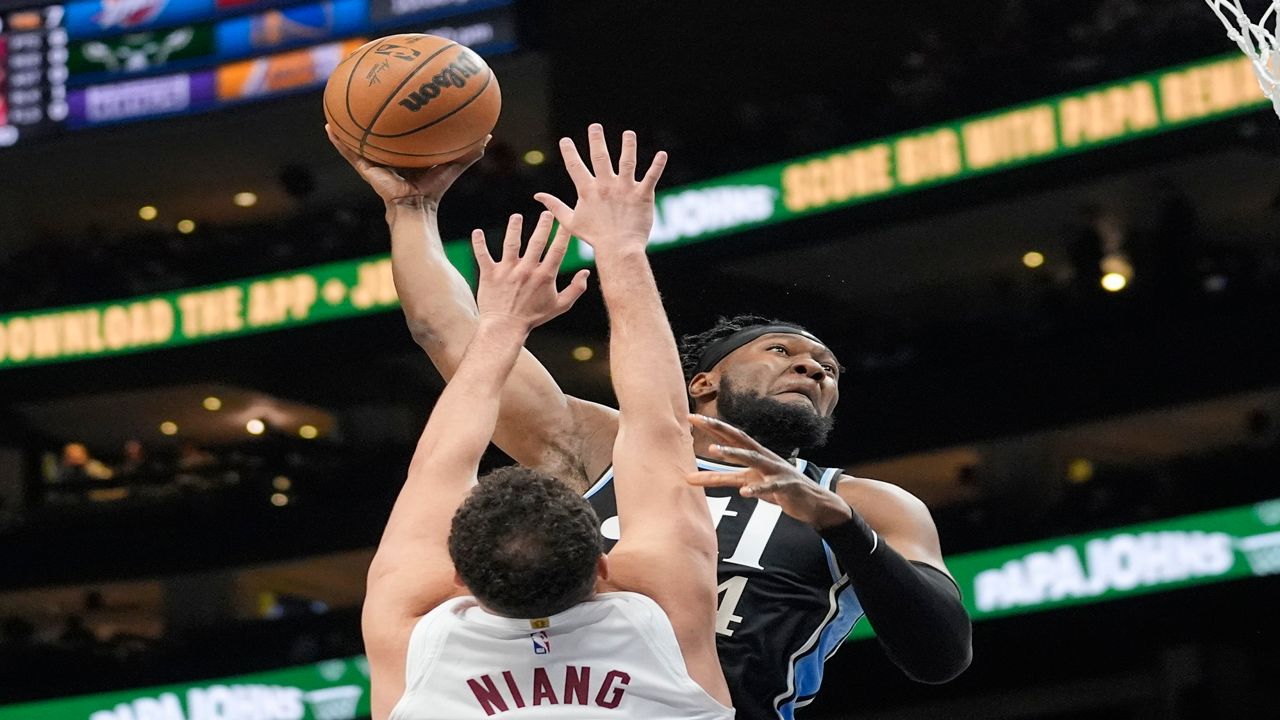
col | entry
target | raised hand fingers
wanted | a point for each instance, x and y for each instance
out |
(573, 164)
(601, 163)
(574, 290)
(511, 241)
(627, 158)
(563, 213)
(559, 245)
(538, 240)
(480, 249)
(650, 180)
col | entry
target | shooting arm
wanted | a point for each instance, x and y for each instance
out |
(538, 424)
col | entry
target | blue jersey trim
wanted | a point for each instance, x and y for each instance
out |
(808, 669)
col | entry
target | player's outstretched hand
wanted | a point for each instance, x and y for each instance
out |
(766, 476)
(523, 287)
(614, 209)
(400, 185)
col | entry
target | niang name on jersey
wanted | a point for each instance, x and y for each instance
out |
(1118, 563)
(575, 687)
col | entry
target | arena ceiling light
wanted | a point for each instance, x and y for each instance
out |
(186, 227)
(169, 427)
(255, 427)
(1033, 259)
(212, 403)
(1114, 282)
(583, 353)
(245, 199)
(148, 212)
(308, 432)
(535, 157)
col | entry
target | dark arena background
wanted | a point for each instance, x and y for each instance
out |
(1044, 237)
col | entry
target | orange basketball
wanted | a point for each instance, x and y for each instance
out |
(412, 100)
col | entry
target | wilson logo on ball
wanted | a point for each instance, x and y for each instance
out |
(455, 74)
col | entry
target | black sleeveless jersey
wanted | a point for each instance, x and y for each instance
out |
(784, 604)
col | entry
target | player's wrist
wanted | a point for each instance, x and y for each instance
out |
(832, 514)
(505, 323)
(620, 247)
(414, 204)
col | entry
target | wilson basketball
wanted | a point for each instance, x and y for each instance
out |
(412, 100)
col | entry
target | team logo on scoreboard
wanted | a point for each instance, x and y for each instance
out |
(134, 52)
(128, 13)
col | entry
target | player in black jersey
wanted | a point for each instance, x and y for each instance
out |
(795, 572)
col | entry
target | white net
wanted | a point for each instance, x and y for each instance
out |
(1256, 39)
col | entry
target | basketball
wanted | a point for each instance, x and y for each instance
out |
(412, 100)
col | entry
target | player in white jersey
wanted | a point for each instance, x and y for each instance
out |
(492, 597)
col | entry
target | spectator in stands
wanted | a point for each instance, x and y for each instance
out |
(77, 465)
(195, 466)
(134, 460)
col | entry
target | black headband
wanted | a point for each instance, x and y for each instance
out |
(720, 349)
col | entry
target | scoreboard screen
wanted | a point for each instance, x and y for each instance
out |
(33, 72)
(94, 62)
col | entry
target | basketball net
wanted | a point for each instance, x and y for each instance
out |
(1255, 41)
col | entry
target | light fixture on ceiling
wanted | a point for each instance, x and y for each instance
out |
(535, 157)
(169, 427)
(308, 432)
(186, 227)
(212, 403)
(1033, 259)
(1114, 282)
(279, 499)
(245, 199)
(148, 212)
(1079, 471)
(583, 353)
(255, 426)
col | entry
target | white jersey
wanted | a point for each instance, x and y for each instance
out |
(614, 656)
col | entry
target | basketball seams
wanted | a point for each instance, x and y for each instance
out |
(487, 81)
(392, 95)
(346, 90)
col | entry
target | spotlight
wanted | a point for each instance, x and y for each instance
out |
(1033, 259)
(148, 212)
(168, 427)
(245, 199)
(255, 427)
(212, 404)
(583, 353)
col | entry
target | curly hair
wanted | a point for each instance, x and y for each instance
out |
(692, 346)
(525, 545)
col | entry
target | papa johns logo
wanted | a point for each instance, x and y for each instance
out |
(455, 74)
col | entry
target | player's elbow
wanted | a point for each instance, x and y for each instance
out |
(950, 658)
(437, 327)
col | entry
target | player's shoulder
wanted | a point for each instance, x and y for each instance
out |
(879, 498)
